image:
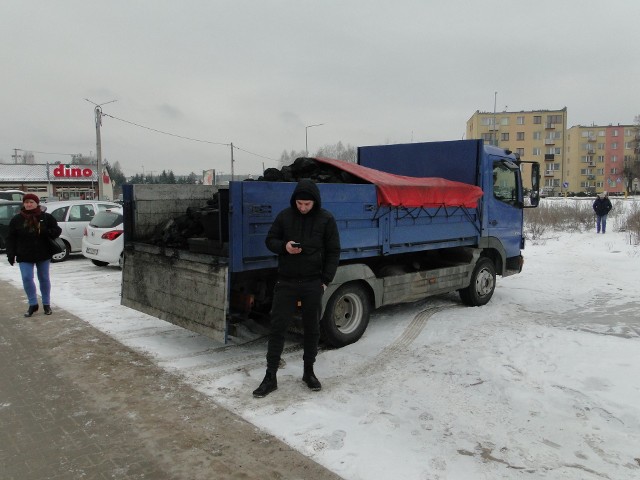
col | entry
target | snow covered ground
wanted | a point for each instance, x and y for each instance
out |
(543, 382)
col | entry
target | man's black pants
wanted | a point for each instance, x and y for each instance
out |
(285, 300)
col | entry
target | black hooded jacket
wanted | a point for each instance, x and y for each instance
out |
(316, 231)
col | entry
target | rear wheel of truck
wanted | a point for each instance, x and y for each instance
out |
(482, 286)
(346, 316)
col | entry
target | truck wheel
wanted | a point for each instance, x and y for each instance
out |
(482, 286)
(346, 316)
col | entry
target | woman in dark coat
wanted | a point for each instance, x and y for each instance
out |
(28, 244)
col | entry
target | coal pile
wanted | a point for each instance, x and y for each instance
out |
(305, 167)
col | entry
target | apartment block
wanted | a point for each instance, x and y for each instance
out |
(537, 135)
(596, 157)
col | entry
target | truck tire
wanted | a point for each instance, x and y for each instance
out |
(482, 286)
(346, 315)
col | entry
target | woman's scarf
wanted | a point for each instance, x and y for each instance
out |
(32, 219)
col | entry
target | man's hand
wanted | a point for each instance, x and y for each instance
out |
(11, 260)
(291, 249)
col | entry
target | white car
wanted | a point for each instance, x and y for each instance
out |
(73, 216)
(103, 239)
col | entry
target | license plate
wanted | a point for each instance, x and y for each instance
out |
(92, 251)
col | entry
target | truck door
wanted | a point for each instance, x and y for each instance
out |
(505, 206)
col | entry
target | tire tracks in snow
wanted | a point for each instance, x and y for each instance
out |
(415, 327)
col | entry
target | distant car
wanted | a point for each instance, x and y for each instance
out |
(73, 216)
(7, 210)
(103, 239)
(15, 195)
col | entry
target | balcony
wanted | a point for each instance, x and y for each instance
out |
(550, 126)
(549, 141)
(549, 173)
(592, 138)
(549, 156)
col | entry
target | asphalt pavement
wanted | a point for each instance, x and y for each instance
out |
(76, 404)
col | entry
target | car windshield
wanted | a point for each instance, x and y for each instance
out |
(8, 211)
(107, 219)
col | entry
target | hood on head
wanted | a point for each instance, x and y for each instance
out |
(309, 189)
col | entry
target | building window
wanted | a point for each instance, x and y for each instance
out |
(614, 146)
(519, 135)
(554, 119)
(614, 158)
(504, 136)
(504, 121)
(520, 151)
(537, 135)
(615, 133)
(601, 133)
(487, 121)
(536, 152)
(614, 170)
(537, 119)
(487, 137)
(520, 120)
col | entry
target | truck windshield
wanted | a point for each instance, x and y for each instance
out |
(505, 183)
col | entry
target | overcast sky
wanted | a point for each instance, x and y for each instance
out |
(255, 73)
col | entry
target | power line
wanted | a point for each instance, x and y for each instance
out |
(188, 138)
(48, 153)
(165, 133)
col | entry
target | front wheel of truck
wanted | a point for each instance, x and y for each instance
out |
(346, 315)
(482, 286)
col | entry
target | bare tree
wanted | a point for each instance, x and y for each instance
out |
(631, 170)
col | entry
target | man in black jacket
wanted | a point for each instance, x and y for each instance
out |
(305, 237)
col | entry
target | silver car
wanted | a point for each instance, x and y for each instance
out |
(73, 216)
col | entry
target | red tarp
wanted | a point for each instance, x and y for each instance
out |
(398, 190)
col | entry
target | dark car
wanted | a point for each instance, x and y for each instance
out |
(7, 210)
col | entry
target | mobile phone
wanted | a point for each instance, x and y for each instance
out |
(296, 245)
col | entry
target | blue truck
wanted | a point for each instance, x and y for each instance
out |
(392, 252)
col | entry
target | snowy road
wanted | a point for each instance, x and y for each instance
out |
(543, 382)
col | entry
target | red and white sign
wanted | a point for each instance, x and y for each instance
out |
(72, 171)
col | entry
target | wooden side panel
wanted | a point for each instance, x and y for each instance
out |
(183, 288)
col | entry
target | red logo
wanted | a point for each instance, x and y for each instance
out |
(70, 171)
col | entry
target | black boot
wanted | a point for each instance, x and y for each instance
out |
(310, 378)
(268, 385)
(47, 309)
(32, 309)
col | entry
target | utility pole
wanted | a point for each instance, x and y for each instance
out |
(495, 125)
(15, 155)
(98, 112)
(232, 161)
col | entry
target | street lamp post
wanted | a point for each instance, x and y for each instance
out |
(306, 137)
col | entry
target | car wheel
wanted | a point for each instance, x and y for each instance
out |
(98, 263)
(482, 286)
(62, 256)
(346, 316)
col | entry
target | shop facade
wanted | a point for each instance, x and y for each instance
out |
(53, 182)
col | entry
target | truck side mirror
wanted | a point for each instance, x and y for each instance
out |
(534, 196)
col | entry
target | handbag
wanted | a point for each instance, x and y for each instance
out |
(56, 245)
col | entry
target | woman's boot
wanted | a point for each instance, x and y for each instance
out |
(47, 309)
(32, 309)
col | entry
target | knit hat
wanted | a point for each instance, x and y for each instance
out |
(31, 196)
(304, 196)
